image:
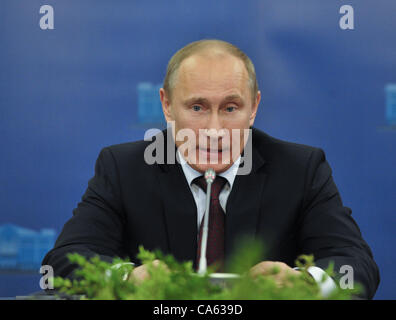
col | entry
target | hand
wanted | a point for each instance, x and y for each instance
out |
(139, 274)
(267, 268)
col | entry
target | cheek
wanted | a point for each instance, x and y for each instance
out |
(240, 120)
(239, 136)
(186, 133)
(186, 120)
(238, 125)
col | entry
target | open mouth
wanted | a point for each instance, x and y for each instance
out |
(213, 156)
(212, 153)
(208, 150)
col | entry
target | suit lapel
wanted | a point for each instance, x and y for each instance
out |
(243, 205)
(180, 212)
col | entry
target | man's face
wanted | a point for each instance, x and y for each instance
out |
(212, 97)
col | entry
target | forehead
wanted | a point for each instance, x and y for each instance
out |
(212, 73)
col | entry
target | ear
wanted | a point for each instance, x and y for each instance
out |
(166, 107)
(254, 108)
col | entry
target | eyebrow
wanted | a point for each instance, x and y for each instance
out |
(204, 101)
(198, 100)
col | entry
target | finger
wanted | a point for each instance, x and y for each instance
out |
(157, 263)
(139, 274)
(263, 268)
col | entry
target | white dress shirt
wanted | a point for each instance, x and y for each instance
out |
(199, 194)
(317, 273)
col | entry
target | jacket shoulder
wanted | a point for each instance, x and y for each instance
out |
(128, 148)
(284, 152)
(127, 154)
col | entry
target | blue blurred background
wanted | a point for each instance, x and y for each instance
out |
(92, 81)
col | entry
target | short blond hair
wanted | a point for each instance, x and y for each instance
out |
(199, 46)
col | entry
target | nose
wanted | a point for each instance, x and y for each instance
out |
(214, 124)
(214, 132)
(214, 129)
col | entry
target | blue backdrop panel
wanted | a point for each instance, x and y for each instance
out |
(66, 93)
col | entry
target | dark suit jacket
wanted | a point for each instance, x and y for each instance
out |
(289, 201)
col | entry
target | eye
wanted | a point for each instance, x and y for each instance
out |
(196, 108)
(230, 109)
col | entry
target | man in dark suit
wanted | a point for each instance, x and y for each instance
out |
(287, 199)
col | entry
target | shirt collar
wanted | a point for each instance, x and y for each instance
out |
(191, 173)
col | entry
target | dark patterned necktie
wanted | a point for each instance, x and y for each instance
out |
(215, 243)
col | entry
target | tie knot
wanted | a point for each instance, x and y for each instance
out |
(217, 185)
